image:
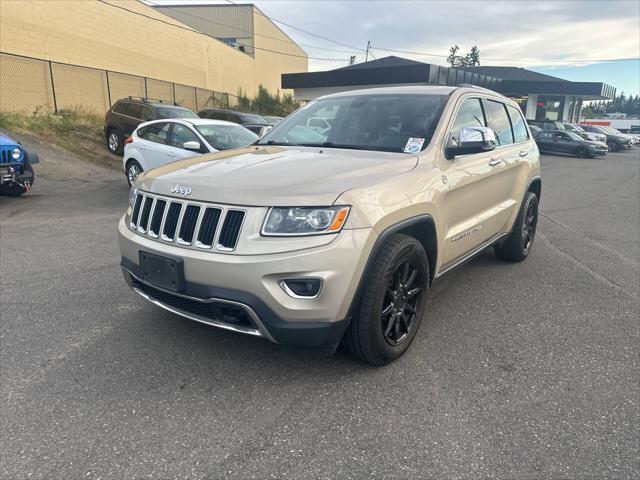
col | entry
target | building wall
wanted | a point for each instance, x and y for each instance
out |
(97, 35)
(219, 21)
(269, 65)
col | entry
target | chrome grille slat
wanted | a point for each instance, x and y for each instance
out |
(143, 220)
(186, 223)
(157, 215)
(208, 227)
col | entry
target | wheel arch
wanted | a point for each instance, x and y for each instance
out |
(535, 186)
(421, 227)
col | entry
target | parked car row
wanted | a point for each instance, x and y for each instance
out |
(126, 114)
(580, 140)
(149, 133)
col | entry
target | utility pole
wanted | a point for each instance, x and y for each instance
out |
(366, 59)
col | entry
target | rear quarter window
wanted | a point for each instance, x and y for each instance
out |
(520, 133)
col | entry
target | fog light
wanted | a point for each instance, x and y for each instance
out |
(302, 287)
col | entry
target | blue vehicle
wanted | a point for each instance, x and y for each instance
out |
(16, 172)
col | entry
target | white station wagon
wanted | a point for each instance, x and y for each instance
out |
(159, 142)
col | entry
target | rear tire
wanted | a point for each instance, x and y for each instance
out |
(517, 247)
(114, 141)
(392, 303)
(133, 170)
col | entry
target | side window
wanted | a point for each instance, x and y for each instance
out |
(156, 133)
(500, 121)
(135, 111)
(121, 108)
(147, 114)
(182, 135)
(470, 113)
(517, 122)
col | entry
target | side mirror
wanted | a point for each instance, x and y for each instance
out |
(264, 131)
(192, 145)
(472, 140)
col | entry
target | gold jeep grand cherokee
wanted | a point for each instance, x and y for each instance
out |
(333, 226)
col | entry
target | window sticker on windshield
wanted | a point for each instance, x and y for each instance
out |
(414, 145)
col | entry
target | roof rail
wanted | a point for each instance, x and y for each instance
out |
(149, 99)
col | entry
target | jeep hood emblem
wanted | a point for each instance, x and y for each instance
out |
(180, 189)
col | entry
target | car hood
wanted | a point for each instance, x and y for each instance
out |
(595, 143)
(6, 141)
(275, 176)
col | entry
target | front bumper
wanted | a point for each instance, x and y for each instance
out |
(12, 172)
(251, 283)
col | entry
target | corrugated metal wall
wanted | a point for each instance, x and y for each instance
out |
(220, 21)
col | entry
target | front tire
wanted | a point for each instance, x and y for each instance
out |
(114, 141)
(613, 146)
(133, 170)
(392, 303)
(517, 247)
(582, 152)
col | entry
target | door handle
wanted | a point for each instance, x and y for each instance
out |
(494, 162)
(173, 154)
(524, 153)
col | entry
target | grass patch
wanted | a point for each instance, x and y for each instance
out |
(63, 128)
(75, 129)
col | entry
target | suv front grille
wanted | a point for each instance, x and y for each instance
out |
(187, 223)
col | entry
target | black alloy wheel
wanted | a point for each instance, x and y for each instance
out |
(529, 227)
(402, 298)
(519, 243)
(390, 308)
(613, 146)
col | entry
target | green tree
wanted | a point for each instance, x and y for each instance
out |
(453, 57)
(473, 57)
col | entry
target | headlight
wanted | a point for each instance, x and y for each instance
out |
(293, 221)
(17, 153)
(133, 193)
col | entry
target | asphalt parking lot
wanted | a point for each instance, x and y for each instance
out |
(519, 371)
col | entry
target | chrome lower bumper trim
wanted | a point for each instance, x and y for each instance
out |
(261, 331)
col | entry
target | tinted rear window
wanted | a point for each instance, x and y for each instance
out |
(167, 111)
(121, 108)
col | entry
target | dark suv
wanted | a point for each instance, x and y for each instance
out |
(250, 121)
(126, 114)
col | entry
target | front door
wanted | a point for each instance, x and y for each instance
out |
(181, 134)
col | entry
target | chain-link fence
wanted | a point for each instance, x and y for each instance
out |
(29, 84)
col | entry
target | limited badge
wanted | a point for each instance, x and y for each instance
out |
(414, 145)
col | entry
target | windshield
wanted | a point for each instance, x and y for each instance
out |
(225, 137)
(174, 112)
(573, 128)
(572, 136)
(388, 123)
(612, 130)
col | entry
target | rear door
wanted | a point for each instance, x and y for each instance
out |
(137, 113)
(153, 144)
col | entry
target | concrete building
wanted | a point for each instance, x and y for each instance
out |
(132, 40)
(541, 97)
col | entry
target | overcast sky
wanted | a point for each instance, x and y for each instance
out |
(540, 35)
